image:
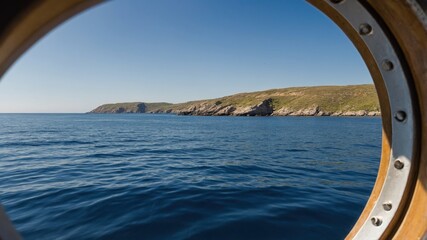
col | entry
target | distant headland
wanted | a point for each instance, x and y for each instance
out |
(354, 100)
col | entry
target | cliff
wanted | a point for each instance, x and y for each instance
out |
(355, 100)
(132, 107)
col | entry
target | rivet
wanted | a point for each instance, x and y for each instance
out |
(398, 164)
(376, 221)
(365, 29)
(387, 206)
(387, 65)
(400, 116)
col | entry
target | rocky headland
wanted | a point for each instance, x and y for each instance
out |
(355, 100)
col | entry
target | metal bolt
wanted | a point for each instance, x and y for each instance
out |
(376, 221)
(400, 116)
(365, 29)
(387, 206)
(336, 1)
(387, 65)
(398, 164)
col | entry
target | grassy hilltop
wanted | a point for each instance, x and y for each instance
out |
(355, 100)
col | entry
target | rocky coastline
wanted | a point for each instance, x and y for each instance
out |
(264, 108)
(356, 100)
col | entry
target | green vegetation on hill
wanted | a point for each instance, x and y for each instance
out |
(132, 107)
(152, 107)
(329, 99)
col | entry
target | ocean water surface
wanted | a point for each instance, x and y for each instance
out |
(137, 176)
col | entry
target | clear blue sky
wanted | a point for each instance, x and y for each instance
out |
(176, 51)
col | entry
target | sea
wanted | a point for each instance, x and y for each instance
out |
(154, 176)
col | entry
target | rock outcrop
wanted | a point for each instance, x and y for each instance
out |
(264, 108)
(284, 111)
(306, 112)
(360, 113)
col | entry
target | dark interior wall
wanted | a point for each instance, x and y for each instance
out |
(10, 9)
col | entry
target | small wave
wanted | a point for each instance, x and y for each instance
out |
(133, 179)
(44, 143)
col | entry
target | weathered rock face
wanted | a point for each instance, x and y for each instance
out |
(202, 109)
(322, 113)
(262, 109)
(225, 111)
(265, 108)
(208, 110)
(373, 114)
(359, 113)
(282, 112)
(306, 112)
(354, 113)
(312, 111)
(315, 111)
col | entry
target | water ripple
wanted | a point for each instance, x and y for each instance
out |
(77, 176)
